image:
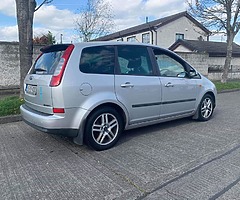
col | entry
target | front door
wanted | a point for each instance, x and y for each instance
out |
(178, 90)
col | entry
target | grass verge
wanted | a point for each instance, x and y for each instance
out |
(227, 86)
(10, 106)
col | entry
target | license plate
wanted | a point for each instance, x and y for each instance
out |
(31, 89)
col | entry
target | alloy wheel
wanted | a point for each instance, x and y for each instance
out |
(105, 129)
(206, 108)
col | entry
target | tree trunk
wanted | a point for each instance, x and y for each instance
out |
(25, 13)
(227, 64)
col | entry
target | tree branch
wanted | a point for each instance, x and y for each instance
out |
(44, 2)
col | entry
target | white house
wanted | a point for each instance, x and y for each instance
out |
(163, 32)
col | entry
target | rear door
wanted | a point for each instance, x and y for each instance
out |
(135, 84)
(38, 93)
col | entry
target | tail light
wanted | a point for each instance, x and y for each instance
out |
(58, 73)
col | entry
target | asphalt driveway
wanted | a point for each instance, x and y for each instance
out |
(183, 159)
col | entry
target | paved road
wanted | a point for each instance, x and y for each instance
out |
(180, 160)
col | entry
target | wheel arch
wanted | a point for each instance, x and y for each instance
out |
(195, 116)
(213, 97)
(118, 108)
(119, 113)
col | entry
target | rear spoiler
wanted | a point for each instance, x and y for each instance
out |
(53, 48)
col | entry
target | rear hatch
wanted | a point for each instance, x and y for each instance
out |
(37, 89)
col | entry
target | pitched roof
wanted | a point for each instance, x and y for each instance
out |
(151, 26)
(214, 49)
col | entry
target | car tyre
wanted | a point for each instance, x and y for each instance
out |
(103, 128)
(205, 108)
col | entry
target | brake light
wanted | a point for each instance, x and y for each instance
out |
(58, 110)
(58, 73)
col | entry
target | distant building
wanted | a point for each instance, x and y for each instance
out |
(163, 32)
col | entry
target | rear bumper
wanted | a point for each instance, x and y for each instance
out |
(65, 124)
(63, 132)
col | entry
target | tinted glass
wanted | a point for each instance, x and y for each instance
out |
(134, 60)
(47, 63)
(97, 60)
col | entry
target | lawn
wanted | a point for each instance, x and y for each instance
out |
(227, 86)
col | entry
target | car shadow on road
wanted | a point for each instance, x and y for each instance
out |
(152, 129)
(161, 129)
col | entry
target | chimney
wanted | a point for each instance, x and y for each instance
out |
(146, 19)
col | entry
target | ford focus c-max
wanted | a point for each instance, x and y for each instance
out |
(93, 91)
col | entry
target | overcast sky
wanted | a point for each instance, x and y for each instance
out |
(58, 17)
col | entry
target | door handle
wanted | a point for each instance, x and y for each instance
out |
(127, 85)
(169, 84)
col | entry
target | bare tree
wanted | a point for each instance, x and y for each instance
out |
(25, 14)
(95, 20)
(222, 15)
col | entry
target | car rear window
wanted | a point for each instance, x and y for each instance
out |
(47, 63)
(49, 59)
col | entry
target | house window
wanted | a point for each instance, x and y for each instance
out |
(146, 38)
(120, 40)
(132, 39)
(179, 36)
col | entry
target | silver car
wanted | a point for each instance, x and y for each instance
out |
(93, 91)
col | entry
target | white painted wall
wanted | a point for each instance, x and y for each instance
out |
(167, 33)
(181, 48)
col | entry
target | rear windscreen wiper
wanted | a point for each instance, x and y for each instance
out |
(40, 70)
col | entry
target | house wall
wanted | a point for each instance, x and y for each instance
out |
(182, 48)
(10, 64)
(167, 34)
(138, 37)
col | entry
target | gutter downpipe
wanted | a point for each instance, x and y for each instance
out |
(151, 30)
(151, 34)
(155, 36)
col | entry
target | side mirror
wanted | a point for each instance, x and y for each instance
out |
(182, 75)
(192, 73)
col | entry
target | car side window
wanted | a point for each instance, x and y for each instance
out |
(168, 66)
(97, 60)
(134, 60)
